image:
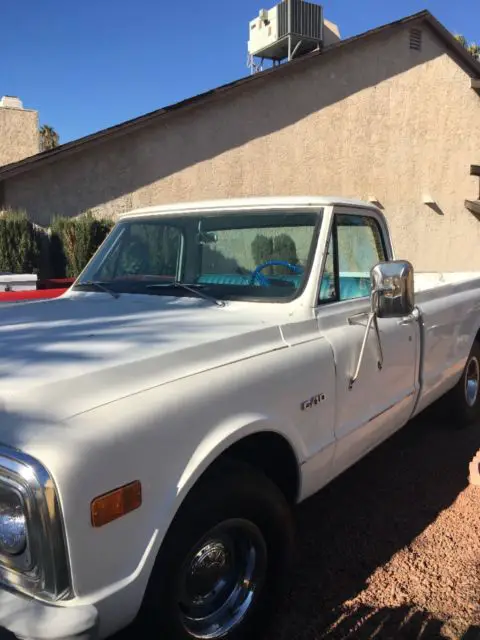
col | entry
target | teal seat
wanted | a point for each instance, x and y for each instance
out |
(239, 280)
(350, 287)
(353, 287)
(224, 278)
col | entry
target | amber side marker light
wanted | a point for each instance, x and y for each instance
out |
(116, 503)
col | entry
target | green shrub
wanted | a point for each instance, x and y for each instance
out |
(19, 243)
(73, 241)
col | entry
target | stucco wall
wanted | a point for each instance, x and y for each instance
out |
(18, 134)
(374, 119)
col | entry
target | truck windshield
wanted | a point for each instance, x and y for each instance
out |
(237, 256)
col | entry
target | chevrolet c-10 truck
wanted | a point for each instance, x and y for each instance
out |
(214, 364)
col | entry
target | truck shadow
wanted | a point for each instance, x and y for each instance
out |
(358, 522)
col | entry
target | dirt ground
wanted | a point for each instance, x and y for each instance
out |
(391, 549)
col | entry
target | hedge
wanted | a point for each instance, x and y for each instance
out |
(61, 251)
(73, 241)
(19, 243)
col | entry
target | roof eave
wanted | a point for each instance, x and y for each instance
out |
(469, 63)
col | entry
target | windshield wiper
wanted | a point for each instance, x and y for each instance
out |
(99, 285)
(175, 284)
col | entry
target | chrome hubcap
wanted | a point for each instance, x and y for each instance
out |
(472, 379)
(220, 579)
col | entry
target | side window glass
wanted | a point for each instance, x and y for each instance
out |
(360, 247)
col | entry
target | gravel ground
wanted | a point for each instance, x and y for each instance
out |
(392, 548)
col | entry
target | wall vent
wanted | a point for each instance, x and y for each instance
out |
(416, 39)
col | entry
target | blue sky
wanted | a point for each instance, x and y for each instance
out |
(92, 64)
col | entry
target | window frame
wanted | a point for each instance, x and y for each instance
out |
(333, 236)
(318, 213)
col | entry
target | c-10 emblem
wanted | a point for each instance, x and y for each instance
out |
(316, 400)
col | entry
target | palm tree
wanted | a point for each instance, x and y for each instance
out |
(49, 138)
(472, 48)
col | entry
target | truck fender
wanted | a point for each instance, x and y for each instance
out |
(225, 435)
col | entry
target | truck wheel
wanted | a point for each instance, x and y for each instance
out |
(462, 403)
(224, 559)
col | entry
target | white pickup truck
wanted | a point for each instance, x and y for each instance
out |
(213, 365)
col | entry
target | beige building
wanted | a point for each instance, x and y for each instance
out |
(18, 131)
(392, 116)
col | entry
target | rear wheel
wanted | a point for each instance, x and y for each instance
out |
(462, 403)
(224, 560)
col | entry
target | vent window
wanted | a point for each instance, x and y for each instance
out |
(416, 39)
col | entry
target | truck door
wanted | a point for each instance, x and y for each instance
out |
(382, 398)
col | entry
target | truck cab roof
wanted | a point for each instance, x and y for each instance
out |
(244, 204)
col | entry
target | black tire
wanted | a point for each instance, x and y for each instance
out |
(230, 496)
(461, 407)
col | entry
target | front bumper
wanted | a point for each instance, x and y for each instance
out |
(33, 620)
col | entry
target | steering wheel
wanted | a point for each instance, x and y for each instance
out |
(264, 282)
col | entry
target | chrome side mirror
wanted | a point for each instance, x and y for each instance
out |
(392, 289)
(392, 296)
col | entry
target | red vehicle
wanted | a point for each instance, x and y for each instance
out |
(45, 289)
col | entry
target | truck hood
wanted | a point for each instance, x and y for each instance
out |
(66, 356)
